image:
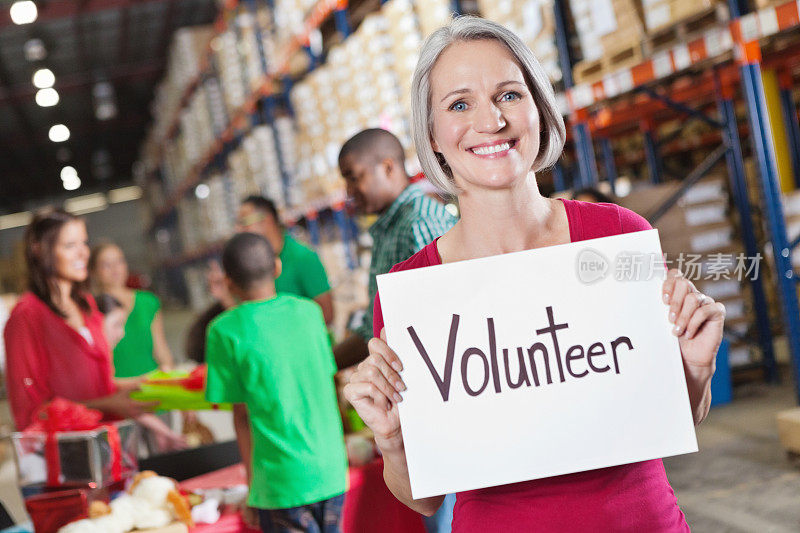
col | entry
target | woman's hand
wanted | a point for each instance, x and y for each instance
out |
(374, 391)
(129, 384)
(166, 439)
(120, 404)
(698, 321)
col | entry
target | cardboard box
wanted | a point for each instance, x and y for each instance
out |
(84, 457)
(789, 429)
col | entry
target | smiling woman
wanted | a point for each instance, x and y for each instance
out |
(55, 345)
(484, 122)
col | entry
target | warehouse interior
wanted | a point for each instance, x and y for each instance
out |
(153, 119)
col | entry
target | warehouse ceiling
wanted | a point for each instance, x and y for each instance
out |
(107, 56)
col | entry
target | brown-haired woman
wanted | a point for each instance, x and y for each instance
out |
(55, 344)
(143, 347)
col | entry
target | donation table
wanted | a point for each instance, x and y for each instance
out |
(368, 507)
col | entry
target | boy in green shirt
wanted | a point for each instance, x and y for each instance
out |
(270, 356)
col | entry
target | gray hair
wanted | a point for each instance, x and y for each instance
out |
(470, 28)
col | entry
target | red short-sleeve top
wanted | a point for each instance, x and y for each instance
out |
(628, 498)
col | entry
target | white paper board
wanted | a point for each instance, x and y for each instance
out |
(634, 410)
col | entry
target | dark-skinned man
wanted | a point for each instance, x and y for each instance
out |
(372, 163)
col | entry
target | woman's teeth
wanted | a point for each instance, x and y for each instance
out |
(487, 150)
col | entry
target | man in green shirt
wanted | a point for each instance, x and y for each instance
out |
(372, 163)
(303, 273)
(270, 356)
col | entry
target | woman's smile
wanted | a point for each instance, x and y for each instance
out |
(493, 150)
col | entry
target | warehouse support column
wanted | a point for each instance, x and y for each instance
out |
(341, 20)
(558, 176)
(609, 164)
(651, 153)
(584, 149)
(738, 180)
(748, 55)
(312, 223)
(340, 216)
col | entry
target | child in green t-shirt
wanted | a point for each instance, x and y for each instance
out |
(270, 356)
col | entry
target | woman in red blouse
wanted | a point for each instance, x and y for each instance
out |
(55, 345)
(484, 122)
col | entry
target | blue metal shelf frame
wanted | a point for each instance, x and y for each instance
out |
(758, 118)
(735, 163)
(342, 22)
(732, 151)
(608, 163)
(738, 182)
(587, 165)
(765, 155)
(651, 156)
(558, 176)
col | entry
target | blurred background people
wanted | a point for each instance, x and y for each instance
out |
(143, 348)
(55, 344)
(55, 337)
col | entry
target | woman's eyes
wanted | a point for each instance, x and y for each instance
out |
(458, 106)
(510, 96)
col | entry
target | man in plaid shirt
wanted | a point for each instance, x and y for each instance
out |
(372, 163)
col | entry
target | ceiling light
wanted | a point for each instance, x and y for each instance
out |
(80, 205)
(59, 133)
(43, 78)
(72, 183)
(47, 97)
(202, 191)
(34, 50)
(105, 106)
(68, 172)
(105, 111)
(124, 194)
(15, 220)
(23, 12)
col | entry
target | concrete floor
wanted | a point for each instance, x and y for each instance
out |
(740, 481)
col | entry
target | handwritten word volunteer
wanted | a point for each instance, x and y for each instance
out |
(578, 361)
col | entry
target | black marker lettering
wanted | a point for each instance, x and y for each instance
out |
(442, 384)
(465, 362)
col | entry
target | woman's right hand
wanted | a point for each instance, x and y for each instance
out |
(374, 391)
(120, 404)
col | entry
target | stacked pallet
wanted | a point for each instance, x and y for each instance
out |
(610, 34)
(670, 22)
(186, 53)
(699, 236)
(365, 83)
(534, 22)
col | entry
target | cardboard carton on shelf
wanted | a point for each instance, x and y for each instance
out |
(789, 429)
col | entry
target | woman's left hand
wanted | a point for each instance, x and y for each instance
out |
(697, 322)
(697, 319)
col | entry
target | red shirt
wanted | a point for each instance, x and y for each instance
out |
(628, 498)
(46, 357)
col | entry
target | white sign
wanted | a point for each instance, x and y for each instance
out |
(536, 364)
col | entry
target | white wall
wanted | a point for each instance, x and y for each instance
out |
(121, 223)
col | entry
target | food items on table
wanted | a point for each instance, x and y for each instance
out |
(152, 502)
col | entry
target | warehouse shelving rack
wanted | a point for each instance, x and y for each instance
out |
(731, 50)
(259, 108)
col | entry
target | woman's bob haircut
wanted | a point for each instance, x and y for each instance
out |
(470, 28)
